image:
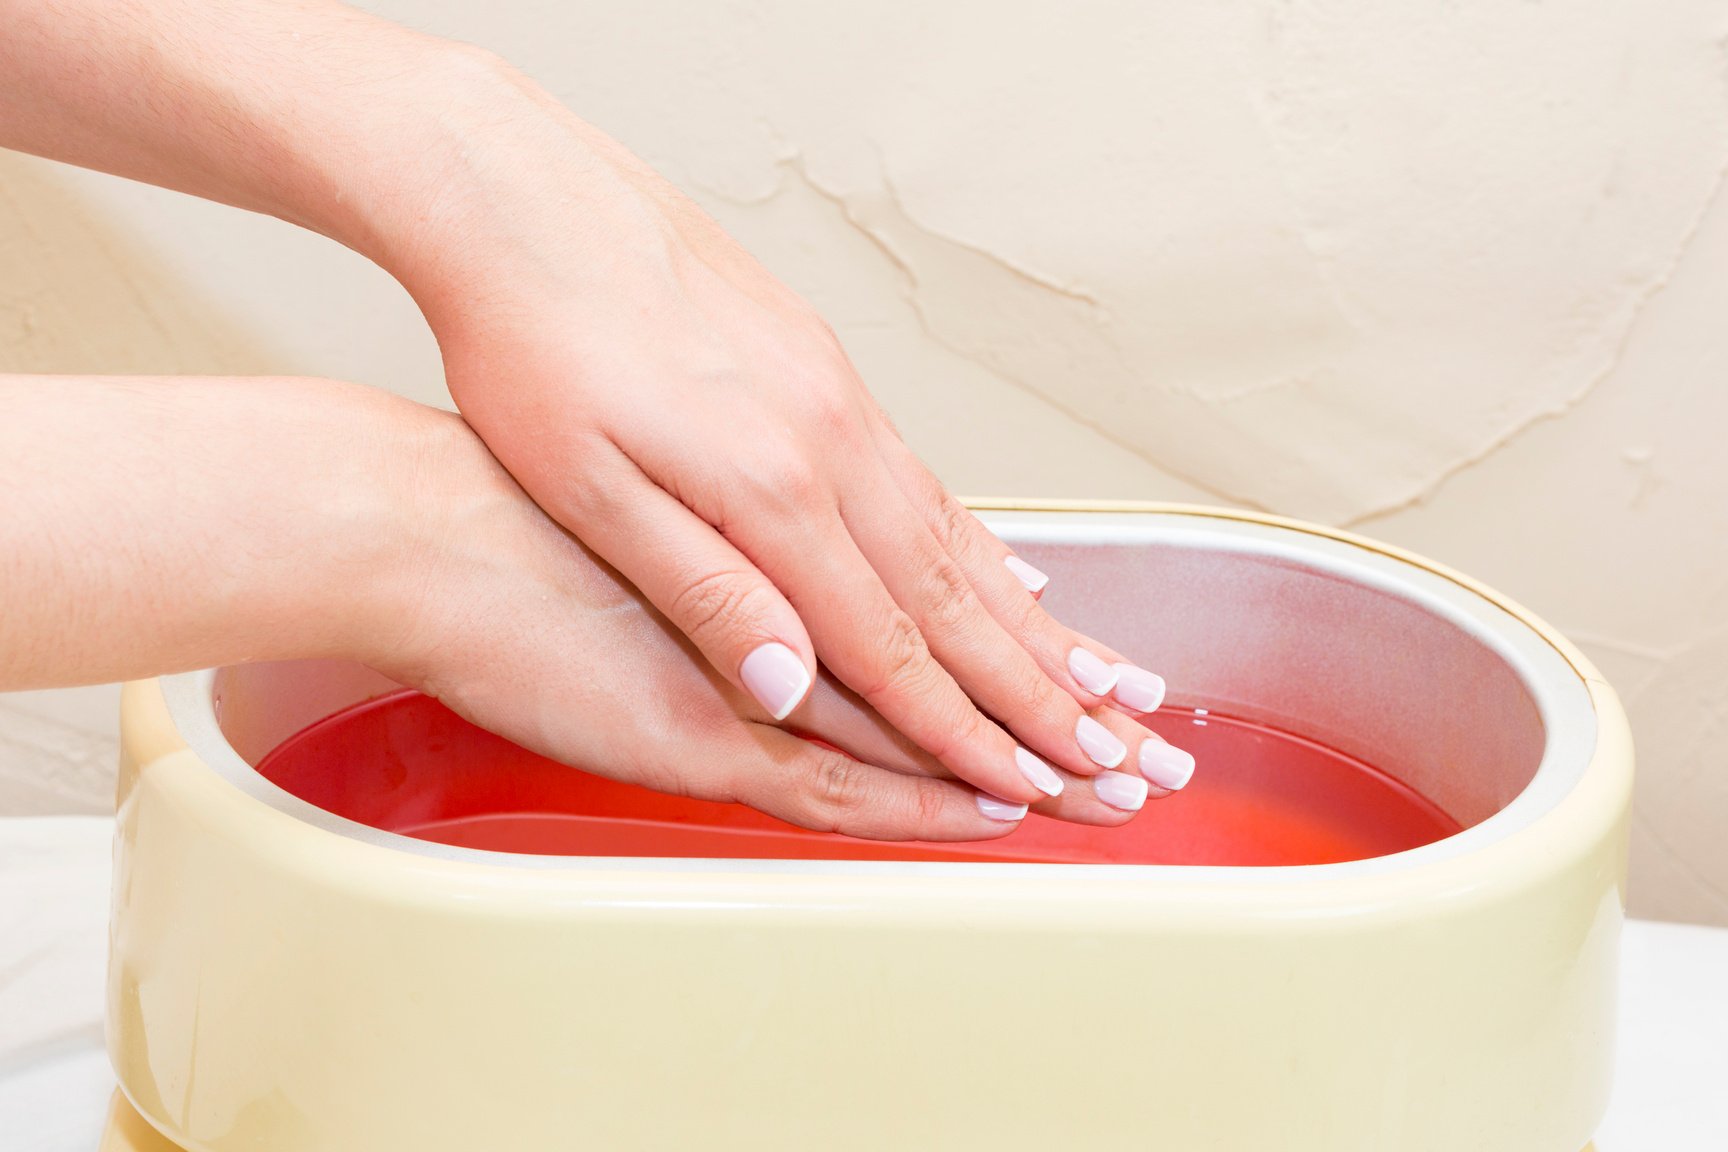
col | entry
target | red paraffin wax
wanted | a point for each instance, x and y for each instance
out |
(405, 763)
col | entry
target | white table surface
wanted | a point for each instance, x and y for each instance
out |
(1670, 1095)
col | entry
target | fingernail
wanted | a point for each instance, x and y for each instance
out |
(1165, 766)
(1099, 743)
(1120, 790)
(1138, 689)
(1090, 672)
(1043, 776)
(776, 677)
(1029, 576)
(1000, 809)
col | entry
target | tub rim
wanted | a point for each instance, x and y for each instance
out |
(1595, 753)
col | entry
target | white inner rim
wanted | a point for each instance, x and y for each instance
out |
(1561, 697)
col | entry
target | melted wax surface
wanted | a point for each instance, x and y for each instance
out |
(405, 763)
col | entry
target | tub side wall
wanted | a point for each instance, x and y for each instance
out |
(279, 989)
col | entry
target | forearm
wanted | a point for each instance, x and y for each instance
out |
(303, 109)
(150, 525)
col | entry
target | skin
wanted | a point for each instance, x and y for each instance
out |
(650, 386)
(405, 545)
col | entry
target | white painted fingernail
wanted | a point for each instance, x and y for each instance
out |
(1043, 776)
(1090, 672)
(1167, 767)
(1120, 790)
(1028, 575)
(1099, 743)
(776, 677)
(1138, 689)
(1000, 809)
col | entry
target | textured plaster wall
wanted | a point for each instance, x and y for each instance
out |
(1452, 274)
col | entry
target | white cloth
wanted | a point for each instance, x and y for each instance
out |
(54, 1074)
(55, 1081)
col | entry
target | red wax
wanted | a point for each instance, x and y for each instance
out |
(407, 764)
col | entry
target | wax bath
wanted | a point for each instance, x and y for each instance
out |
(407, 764)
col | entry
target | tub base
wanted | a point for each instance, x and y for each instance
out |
(128, 1132)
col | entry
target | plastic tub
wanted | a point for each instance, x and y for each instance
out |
(291, 976)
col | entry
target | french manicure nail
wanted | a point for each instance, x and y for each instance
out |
(1000, 809)
(1138, 689)
(1165, 766)
(1028, 575)
(1043, 776)
(1090, 672)
(1120, 790)
(1099, 743)
(776, 677)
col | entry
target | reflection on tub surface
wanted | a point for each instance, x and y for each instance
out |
(407, 764)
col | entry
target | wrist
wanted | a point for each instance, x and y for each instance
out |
(473, 205)
(165, 524)
(457, 542)
(385, 189)
(338, 514)
(396, 506)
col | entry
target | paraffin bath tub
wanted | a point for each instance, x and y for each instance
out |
(284, 979)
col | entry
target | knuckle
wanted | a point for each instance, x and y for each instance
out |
(785, 478)
(901, 662)
(931, 805)
(715, 605)
(834, 419)
(839, 786)
(1047, 700)
(953, 524)
(950, 603)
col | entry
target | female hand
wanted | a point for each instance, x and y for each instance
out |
(518, 627)
(695, 423)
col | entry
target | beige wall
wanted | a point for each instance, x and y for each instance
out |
(1454, 275)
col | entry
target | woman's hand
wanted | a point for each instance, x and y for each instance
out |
(698, 425)
(518, 627)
